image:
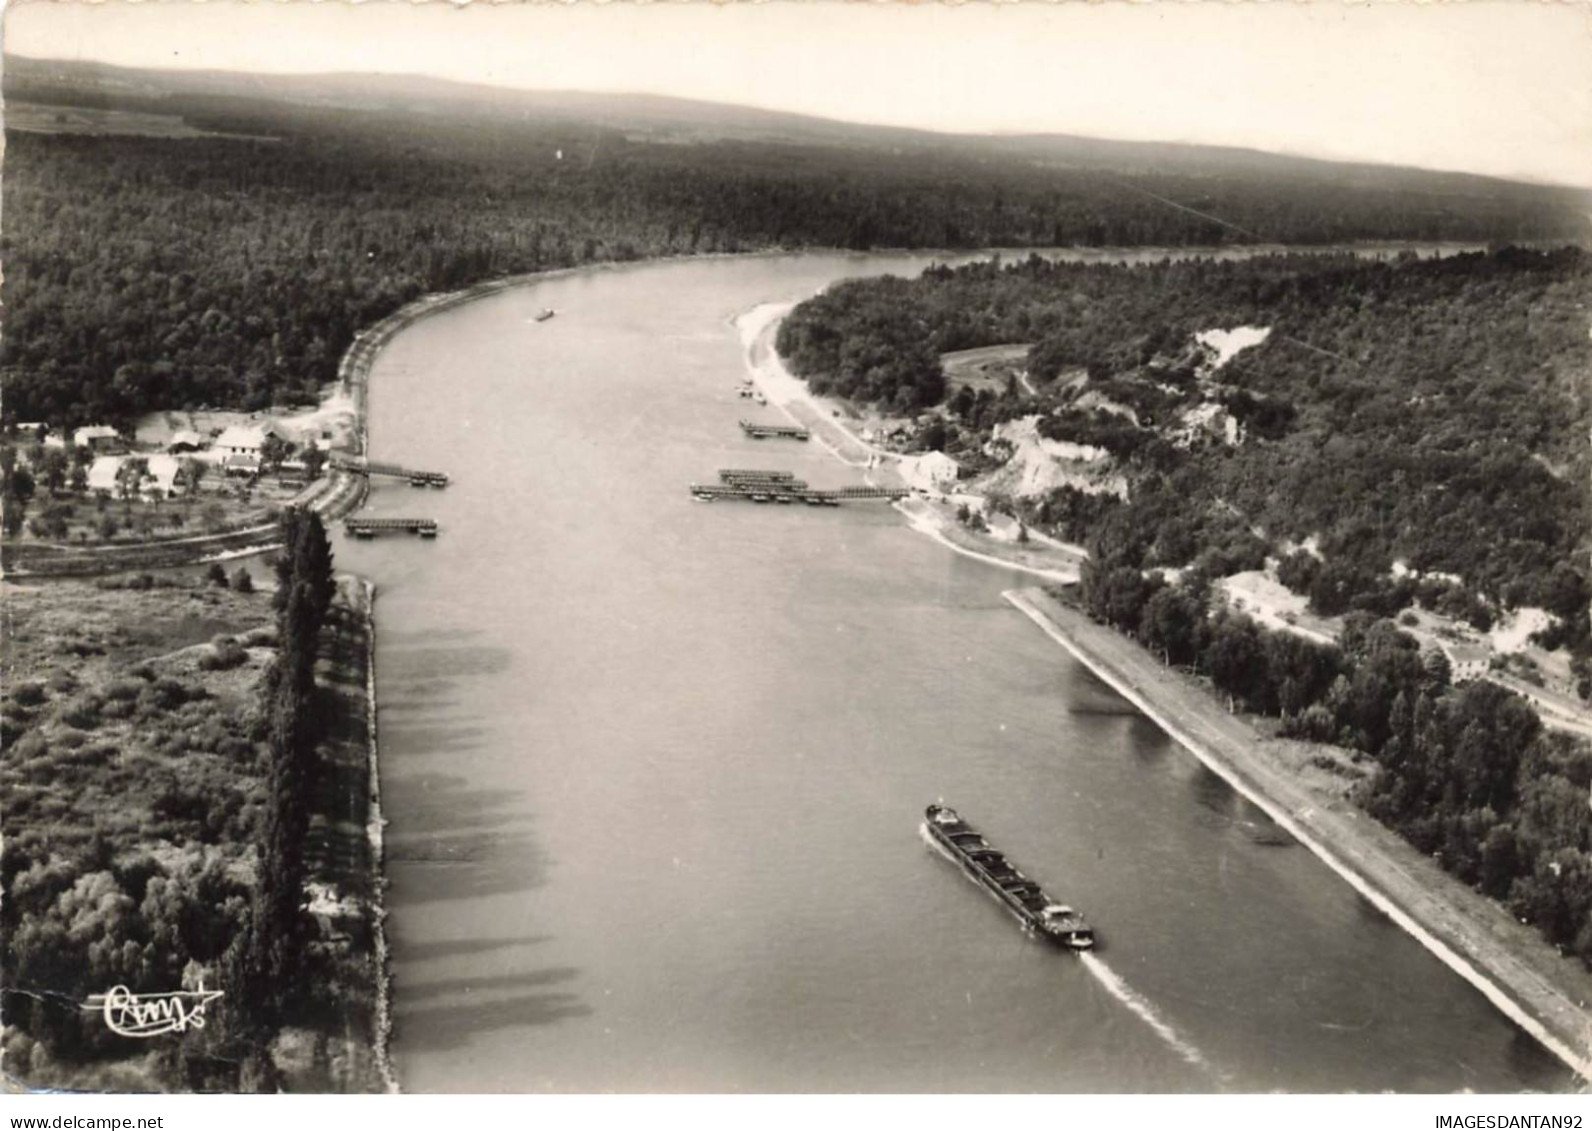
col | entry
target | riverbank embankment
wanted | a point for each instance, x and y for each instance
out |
(340, 1043)
(1546, 994)
(375, 840)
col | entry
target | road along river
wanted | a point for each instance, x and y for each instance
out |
(655, 769)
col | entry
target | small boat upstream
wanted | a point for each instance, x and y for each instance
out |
(544, 314)
(990, 869)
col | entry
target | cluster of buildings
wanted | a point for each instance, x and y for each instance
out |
(236, 450)
(94, 437)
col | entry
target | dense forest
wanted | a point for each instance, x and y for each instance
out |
(1429, 411)
(147, 272)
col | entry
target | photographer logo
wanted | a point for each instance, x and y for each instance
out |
(152, 1015)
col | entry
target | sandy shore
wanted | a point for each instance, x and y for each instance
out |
(932, 516)
(1543, 992)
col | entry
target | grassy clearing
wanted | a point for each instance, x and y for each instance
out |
(72, 519)
(988, 367)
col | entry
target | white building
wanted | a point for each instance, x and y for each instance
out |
(1467, 661)
(247, 440)
(97, 437)
(243, 465)
(238, 440)
(932, 471)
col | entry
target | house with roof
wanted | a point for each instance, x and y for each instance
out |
(239, 464)
(1467, 661)
(32, 432)
(249, 439)
(97, 437)
(102, 474)
(161, 475)
(238, 440)
(931, 471)
(185, 441)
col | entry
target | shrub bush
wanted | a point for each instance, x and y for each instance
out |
(225, 653)
(236, 748)
(84, 713)
(208, 737)
(123, 689)
(28, 694)
(168, 693)
(89, 754)
(31, 745)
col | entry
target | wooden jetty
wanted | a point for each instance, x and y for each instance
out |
(766, 431)
(891, 493)
(787, 491)
(778, 481)
(731, 474)
(370, 527)
(367, 468)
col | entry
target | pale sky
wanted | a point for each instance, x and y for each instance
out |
(1501, 87)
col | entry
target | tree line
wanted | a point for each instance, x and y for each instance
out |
(154, 273)
(1465, 773)
(266, 964)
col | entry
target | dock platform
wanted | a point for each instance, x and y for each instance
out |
(370, 527)
(367, 468)
(766, 431)
(777, 481)
(788, 491)
(730, 474)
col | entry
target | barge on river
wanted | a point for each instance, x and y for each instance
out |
(990, 869)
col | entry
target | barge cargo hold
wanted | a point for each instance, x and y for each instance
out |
(990, 869)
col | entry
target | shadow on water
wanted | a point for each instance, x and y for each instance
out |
(452, 842)
(418, 693)
(446, 840)
(451, 1026)
(440, 737)
(1222, 806)
(438, 667)
(456, 948)
(420, 696)
(443, 987)
(1088, 694)
(1531, 1060)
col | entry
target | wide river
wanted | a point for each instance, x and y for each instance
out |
(654, 770)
